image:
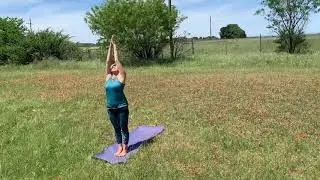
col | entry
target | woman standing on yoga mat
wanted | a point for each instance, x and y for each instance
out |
(116, 101)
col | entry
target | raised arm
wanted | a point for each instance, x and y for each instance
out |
(109, 61)
(122, 71)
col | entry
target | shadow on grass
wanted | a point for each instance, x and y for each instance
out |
(137, 145)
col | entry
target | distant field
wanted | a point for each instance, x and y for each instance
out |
(235, 115)
(214, 47)
(248, 45)
(239, 46)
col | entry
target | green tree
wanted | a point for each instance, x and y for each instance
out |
(47, 43)
(18, 46)
(12, 33)
(142, 26)
(288, 18)
(232, 31)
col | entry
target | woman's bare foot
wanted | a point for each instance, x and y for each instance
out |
(124, 150)
(119, 150)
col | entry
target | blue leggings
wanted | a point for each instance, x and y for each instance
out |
(119, 120)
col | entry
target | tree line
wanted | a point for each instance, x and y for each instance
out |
(143, 29)
(18, 45)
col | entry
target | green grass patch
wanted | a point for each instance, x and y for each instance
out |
(226, 116)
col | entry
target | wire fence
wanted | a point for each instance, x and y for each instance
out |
(188, 47)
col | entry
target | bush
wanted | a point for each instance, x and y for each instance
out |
(292, 42)
(47, 43)
(232, 31)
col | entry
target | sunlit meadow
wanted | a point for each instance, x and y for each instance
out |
(231, 113)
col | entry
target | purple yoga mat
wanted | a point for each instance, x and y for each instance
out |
(136, 138)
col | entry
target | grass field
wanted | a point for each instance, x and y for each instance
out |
(249, 45)
(241, 115)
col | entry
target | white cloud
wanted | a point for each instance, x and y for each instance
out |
(51, 16)
(6, 3)
(71, 23)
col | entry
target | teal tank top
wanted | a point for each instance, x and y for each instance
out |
(115, 97)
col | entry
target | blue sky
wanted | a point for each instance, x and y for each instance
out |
(68, 15)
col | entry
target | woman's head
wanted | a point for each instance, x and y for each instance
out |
(114, 69)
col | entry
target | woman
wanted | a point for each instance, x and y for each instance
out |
(116, 101)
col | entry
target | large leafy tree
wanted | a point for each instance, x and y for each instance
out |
(232, 31)
(12, 33)
(288, 18)
(142, 26)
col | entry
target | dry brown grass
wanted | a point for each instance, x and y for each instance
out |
(223, 121)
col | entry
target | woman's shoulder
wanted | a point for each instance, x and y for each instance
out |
(121, 79)
(108, 77)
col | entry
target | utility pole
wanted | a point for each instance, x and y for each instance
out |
(171, 33)
(260, 44)
(30, 24)
(210, 28)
